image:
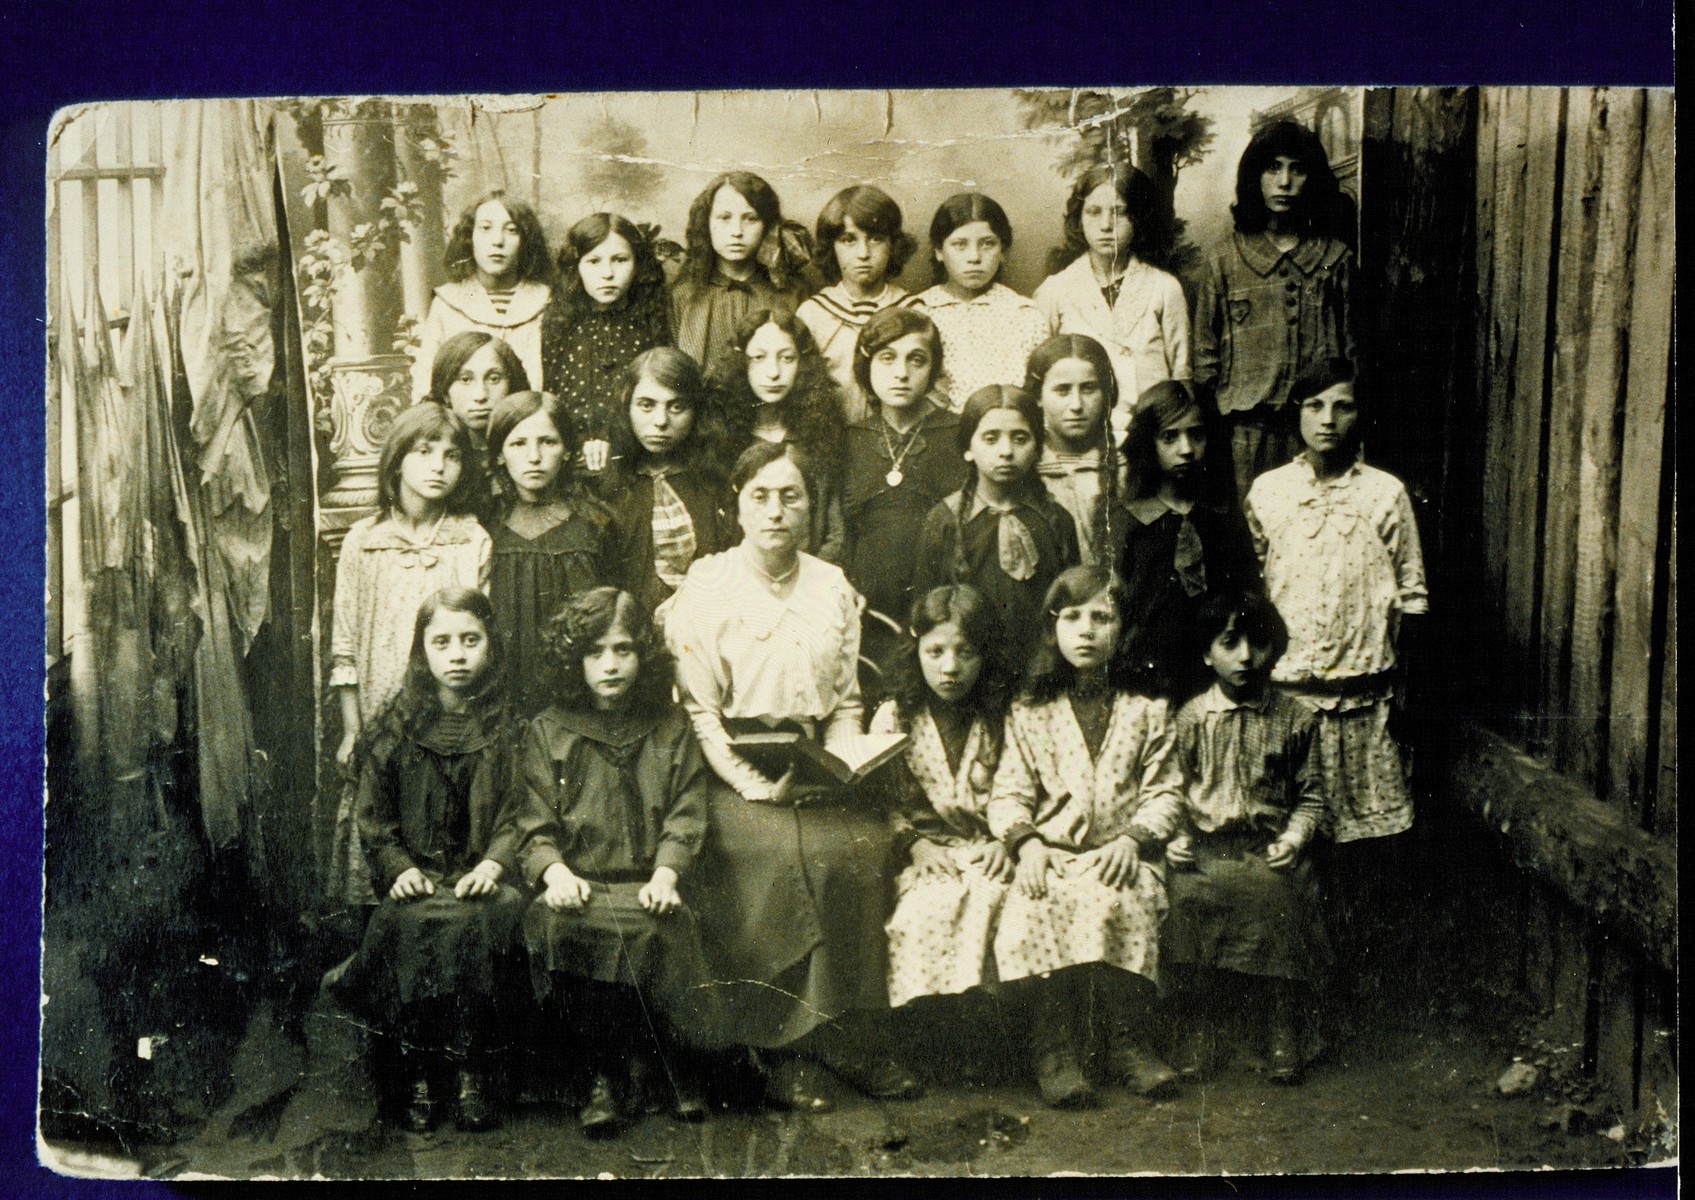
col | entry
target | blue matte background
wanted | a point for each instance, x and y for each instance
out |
(70, 53)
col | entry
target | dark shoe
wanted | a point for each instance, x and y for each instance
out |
(1142, 1071)
(420, 1107)
(881, 1079)
(602, 1114)
(792, 1084)
(1285, 1056)
(475, 1111)
(1061, 1078)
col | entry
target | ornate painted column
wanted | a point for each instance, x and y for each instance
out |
(370, 379)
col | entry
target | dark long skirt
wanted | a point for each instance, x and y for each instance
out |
(792, 903)
(614, 940)
(1233, 912)
(437, 948)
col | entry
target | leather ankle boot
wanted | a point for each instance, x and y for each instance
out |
(1053, 1045)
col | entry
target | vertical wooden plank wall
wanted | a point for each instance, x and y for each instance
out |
(1575, 277)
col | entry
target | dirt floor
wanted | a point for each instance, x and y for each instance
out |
(1410, 1094)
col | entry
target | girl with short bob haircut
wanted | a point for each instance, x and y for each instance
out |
(609, 306)
(668, 497)
(740, 255)
(1184, 539)
(988, 330)
(551, 538)
(1275, 295)
(499, 276)
(1106, 284)
(862, 250)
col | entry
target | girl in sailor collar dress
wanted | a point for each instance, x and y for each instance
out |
(498, 262)
(1110, 291)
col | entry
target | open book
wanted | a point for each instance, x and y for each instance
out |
(773, 751)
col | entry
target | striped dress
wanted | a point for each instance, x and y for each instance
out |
(834, 319)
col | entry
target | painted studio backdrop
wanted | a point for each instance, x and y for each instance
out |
(234, 300)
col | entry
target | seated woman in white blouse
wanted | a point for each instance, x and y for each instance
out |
(792, 885)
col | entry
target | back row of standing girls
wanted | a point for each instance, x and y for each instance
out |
(1001, 496)
(1272, 299)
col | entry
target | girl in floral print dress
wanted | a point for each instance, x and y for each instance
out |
(953, 686)
(1085, 798)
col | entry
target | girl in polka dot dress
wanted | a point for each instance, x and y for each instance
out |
(1085, 797)
(609, 306)
(988, 330)
(950, 697)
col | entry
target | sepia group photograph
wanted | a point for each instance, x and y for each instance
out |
(860, 633)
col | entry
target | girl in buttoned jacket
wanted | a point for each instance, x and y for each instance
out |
(1274, 295)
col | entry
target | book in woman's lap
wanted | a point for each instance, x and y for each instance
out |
(848, 760)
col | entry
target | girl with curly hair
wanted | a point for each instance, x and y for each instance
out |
(614, 763)
(608, 307)
(776, 388)
(499, 277)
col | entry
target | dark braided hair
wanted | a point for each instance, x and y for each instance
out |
(1044, 358)
(982, 402)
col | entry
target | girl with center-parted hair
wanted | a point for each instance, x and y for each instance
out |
(740, 254)
(421, 538)
(441, 827)
(1002, 532)
(862, 250)
(1275, 294)
(500, 273)
(988, 330)
(608, 306)
(766, 635)
(1085, 798)
(1072, 377)
(668, 497)
(1106, 286)
(774, 386)
(551, 538)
